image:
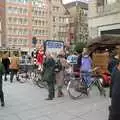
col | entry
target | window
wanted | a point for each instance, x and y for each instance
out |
(110, 1)
(54, 27)
(20, 20)
(35, 12)
(10, 20)
(40, 13)
(25, 42)
(57, 9)
(15, 20)
(39, 22)
(25, 21)
(53, 8)
(39, 32)
(43, 32)
(43, 23)
(10, 41)
(46, 22)
(46, 32)
(103, 2)
(15, 41)
(54, 19)
(43, 13)
(21, 10)
(24, 11)
(35, 22)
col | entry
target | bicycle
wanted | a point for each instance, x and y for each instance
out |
(77, 87)
(37, 79)
(25, 72)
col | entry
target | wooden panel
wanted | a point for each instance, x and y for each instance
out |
(101, 60)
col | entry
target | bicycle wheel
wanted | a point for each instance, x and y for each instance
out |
(100, 87)
(34, 77)
(75, 89)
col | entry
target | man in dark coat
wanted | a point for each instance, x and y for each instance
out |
(49, 75)
(1, 85)
(115, 101)
(111, 66)
(112, 63)
(6, 63)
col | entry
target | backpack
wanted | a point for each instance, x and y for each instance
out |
(58, 66)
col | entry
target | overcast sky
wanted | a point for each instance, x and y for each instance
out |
(67, 1)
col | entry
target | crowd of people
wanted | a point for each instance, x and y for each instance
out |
(53, 69)
(52, 65)
(7, 65)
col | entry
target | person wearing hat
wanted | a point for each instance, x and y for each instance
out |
(60, 74)
(86, 66)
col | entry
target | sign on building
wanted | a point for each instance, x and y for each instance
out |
(53, 46)
(72, 59)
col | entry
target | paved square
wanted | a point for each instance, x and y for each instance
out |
(26, 102)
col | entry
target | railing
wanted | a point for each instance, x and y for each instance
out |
(108, 9)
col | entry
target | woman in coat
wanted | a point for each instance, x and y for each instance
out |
(6, 63)
(60, 74)
(1, 84)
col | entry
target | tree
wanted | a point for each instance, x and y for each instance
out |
(79, 46)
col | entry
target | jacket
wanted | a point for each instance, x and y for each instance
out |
(115, 101)
(14, 63)
(48, 70)
(86, 63)
(40, 57)
(116, 82)
(112, 64)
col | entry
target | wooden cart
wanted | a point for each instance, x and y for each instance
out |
(97, 48)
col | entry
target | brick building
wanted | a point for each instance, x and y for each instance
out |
(25, 19)
(2, 23)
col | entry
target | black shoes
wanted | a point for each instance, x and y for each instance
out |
(2, 104)
(49, 99)
(5, 80)
(60, 94)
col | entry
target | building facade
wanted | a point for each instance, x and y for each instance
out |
(104, 18)
(78, 24)
(18, 23)
(25, 19)
(58, 20)
(40, 19)
(2, 23)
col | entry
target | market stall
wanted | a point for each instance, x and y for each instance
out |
(102, 48)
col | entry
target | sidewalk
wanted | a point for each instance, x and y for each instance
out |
(26, 102)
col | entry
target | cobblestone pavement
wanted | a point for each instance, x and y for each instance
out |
(26, 102)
